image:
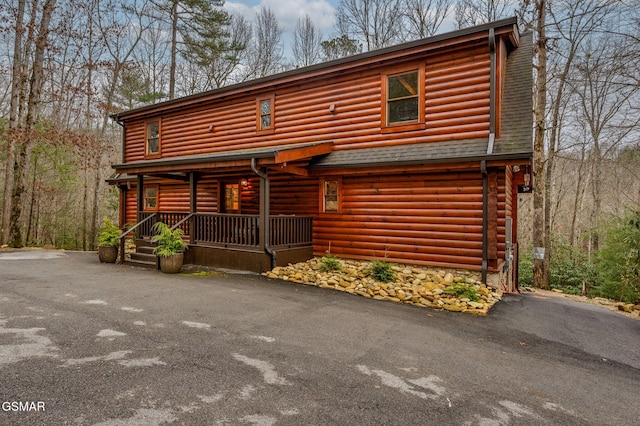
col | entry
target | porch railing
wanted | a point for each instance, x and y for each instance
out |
(291, 231)
(234, 230)
(170, 218)
(226, 230)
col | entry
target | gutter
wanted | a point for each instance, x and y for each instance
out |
(264, 204)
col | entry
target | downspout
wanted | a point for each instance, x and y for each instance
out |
(122, 219)
(264, 194)
(485, 219)
(483, 163)
(117, 119)
(492, 91)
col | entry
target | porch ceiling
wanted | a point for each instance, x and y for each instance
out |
(268, 156)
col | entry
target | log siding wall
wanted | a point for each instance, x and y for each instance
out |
(456, 107)
(433, 218)
(420, 214)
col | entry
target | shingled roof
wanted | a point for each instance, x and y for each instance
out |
(515, 141)
(517, 103)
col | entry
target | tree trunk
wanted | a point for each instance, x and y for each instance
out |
(577, 203)
(94, 215)
(22, 161)
(85, 196)
(17, 85)
(538, 150)
(174, 49)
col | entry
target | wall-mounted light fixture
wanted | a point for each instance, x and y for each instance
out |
(332, 108)
(244, 182)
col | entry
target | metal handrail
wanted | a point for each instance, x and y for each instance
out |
(133, 228)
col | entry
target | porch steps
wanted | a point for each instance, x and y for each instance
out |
(143, 256)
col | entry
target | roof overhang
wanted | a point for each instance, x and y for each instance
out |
(264, 157)
(458, 151)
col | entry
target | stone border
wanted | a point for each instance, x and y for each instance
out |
(414, 285)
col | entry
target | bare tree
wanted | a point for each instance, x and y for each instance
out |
(474, 12)
(539, 24)
(375, 23)
(307, 49)
(23, 154)
(606, 98)
(18, 84)
(265, 55)
(424, 17)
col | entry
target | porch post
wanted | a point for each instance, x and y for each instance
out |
(140, 200)
(193, 202)
(263, 222)
(264, 213)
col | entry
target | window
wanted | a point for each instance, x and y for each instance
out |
(403, 95)
(152, 145)
(331, 195)
(231, 197)
(151, 198)
(265, 114)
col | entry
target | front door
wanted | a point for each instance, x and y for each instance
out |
(231, 194)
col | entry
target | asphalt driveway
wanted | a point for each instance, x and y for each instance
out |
(84, 343)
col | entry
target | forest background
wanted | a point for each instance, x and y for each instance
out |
(66, 65)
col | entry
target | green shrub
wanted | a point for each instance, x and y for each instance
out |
(570, 268)
(619, 261)
(463, 291)
(109, 235)
(329, 263)
(169, 241)
(382, 271)
(525, 268)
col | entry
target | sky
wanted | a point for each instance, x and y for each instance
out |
(322, 12)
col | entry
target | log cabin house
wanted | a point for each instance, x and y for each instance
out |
(413, 153)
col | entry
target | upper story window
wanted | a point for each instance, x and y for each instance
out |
(265, 116)
(403, 98)
(152, 138)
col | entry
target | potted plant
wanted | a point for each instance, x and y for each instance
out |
(108, 241)
(170, 247)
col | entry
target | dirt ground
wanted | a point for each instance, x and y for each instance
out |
(598, 301)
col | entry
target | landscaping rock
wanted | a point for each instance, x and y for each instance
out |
(424, 287)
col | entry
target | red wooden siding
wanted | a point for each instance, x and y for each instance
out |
(416, 218)
(131, 205)
(457, 95)
(456, 107)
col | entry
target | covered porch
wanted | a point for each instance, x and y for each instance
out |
(220, 232)
(234, 240)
